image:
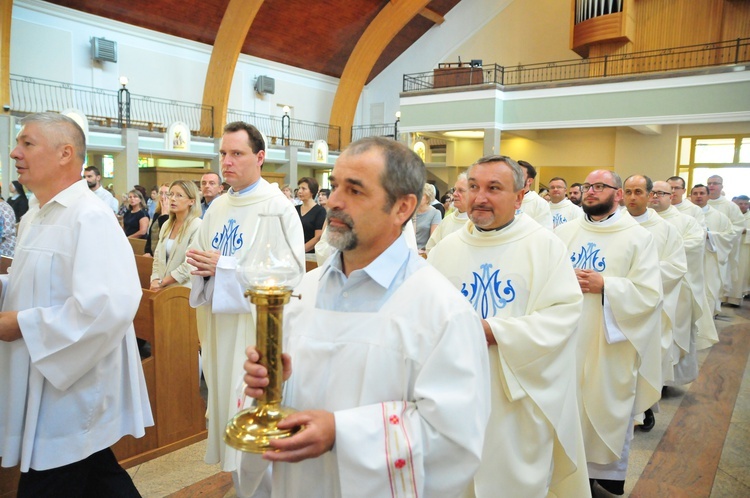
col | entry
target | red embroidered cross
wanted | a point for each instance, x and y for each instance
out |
(400, 463)
(394, 419)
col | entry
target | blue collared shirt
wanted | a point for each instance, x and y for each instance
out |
(367, 289)
(245, 190)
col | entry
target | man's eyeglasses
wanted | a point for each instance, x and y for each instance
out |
(598, 187)
(657, 193)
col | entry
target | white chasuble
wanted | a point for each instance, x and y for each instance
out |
(519, 280)
(451, 223)
(719, 246)
(536, 208)
(620, 378)
(732, 287)
(408, 386)
(563, 212)
(226, 317)
(673, 266)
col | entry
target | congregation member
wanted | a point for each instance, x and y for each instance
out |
(176, 235)
(135, 221)
(94, 180)
(684, 205)
(7, 229)
(428, 218)
(456, 218)
(323, 195)
(388, 362)
(561, 208)
(224, 236)
(211, 188)
(435, 202)
(637, 192)
(160, 216)
(18, 200)
(719, 240)
(71, 381)
(517, 277)
(312, 215)
(534, 206)
(574, 193)
(152, 201)
(619, 362)
(694, 326)
(732, 291)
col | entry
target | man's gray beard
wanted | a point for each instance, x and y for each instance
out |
(343, 241)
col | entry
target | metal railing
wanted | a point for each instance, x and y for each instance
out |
(100, 106)
(375, 130)
(650, 61)
(301, 133)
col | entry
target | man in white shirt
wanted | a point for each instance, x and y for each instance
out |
(94, 180)
(619, 335)
(533, 205)
(390, 369)
(71, 382)
(456, 218)
(685, 206)
(560, 206)
(224, 237)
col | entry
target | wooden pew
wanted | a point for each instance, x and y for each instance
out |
(145, 265)
(168, 323)
(139, 247)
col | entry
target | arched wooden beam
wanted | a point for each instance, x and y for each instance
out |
(233, 30)
(6, 11)
(386, 25)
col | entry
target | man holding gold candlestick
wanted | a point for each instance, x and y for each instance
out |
(391, 375)
(223, 238)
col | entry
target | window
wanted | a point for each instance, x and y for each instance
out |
(726, 156)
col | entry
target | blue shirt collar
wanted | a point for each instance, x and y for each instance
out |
(245, 190)
(383, 269)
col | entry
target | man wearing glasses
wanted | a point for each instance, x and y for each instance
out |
(638, 191)
(732, 292)
(619, 362)
(694, 327)
(685, 206)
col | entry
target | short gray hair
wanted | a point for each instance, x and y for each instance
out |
(404, 172)
(515, 168)
(64, 131)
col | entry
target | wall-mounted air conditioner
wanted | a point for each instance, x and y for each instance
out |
(103, 50)
(265, 84)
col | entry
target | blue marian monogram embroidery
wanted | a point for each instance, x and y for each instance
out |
(488, 293)
(229, 240)
(558, 219)
(589, 258)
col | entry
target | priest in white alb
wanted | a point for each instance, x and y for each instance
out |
(619, 334)
(684, 204)
(223, 238)
(453, 220)
(517, 277)
(694, 327)
(561, 208)
(743, 202)
(534, 206)
(389, 365)
(732, 292)
(720, 238)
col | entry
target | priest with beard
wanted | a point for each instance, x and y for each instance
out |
(618, 354)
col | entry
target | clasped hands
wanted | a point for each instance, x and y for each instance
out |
(319, 432)
(590, 281)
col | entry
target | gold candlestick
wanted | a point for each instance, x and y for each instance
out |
(252, 429)
(269, 271)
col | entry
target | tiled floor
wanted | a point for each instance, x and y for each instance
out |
(183, 473)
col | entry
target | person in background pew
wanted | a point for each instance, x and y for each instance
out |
(161, 215)
(170, 266)
(71, 381)
(135, 219)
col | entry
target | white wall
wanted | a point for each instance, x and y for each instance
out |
(52, 42)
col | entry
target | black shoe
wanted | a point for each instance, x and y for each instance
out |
(614, 487)
(648, 420)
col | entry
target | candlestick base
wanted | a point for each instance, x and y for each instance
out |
(251, 430)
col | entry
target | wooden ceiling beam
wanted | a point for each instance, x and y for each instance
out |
(432, 16)
(386, 25)
(232, 33)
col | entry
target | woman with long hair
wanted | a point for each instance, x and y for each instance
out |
(18, 200)
(176, 235)
(310, 213)
(135, 219)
